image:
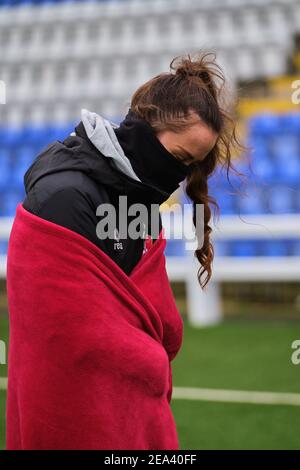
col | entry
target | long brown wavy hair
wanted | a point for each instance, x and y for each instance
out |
(194, 84)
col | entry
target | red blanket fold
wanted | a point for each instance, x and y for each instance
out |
(90, 347)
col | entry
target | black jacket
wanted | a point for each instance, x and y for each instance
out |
(68, 181)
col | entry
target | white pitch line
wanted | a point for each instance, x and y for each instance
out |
(236, 396)
(229, 396)
(3, 383)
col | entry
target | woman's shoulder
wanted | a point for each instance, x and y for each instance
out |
(69, 206)
(72, 184)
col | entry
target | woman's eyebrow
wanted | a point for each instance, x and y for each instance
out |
(188, 155)
(183, 155)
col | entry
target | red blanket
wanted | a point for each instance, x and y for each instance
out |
(90, 346)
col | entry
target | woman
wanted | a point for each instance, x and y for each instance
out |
(93, 321)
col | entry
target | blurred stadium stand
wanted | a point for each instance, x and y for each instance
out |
(60, 56)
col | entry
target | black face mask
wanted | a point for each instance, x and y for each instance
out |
(151, 161)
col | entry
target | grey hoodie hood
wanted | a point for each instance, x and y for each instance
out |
(101, 133)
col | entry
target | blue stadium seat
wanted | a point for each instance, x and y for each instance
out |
(286, 154)
(36, 135)
(175, 248)
(295, 248)
(297, 200)
(288, 170)
(23, 158)
(281, 200)
(14, 3)
(10, 137)
(264, 168)
(264, 124)
(5, 167)
(225, 200)
(252, 202)
(260, 145)
(243, 248)
(59, 132)
(221, 248)
(3, 247)
(290, 122)
(285, 146)
(275, 248)
(9, 201)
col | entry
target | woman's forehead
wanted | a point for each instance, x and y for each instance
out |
(197, 139)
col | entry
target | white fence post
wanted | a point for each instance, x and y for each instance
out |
(203, 305)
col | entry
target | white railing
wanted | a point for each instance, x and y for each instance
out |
(5, 227)
(205, 307)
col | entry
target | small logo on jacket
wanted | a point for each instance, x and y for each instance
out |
(148, 242)
(117, 245)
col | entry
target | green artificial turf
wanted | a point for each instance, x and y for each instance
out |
(233, 426)
(235, 355)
